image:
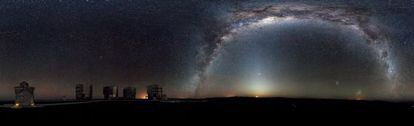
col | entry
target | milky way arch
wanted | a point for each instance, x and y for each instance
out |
(244, 19)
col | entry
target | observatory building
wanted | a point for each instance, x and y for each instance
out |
(130, 93)
(24, 95)
(80, 94)
(110, 92)
(155, 93)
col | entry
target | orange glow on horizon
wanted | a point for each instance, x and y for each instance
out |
(142, 95)
(230, 95)
(359, 98)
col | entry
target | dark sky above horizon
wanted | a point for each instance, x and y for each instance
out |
(56, 44)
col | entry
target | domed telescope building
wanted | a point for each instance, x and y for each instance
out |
(24, 95)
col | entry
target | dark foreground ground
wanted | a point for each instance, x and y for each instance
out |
(255, 108)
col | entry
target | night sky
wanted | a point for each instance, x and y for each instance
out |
(338, 49)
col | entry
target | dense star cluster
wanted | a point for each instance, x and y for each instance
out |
(343, 49)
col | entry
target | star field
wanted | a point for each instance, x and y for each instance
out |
(312, 48)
